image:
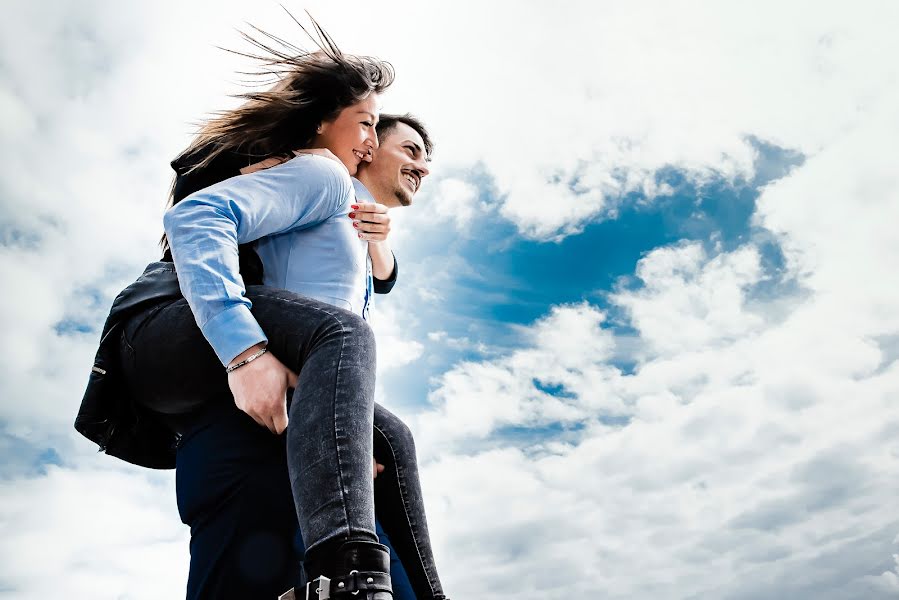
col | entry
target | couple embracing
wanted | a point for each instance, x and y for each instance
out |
(243, 358)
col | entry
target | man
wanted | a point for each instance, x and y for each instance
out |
(233, 487)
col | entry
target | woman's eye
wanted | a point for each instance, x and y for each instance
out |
(368, 124)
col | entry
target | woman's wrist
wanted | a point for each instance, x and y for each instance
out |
(246, 357)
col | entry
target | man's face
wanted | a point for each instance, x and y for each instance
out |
(399, 165)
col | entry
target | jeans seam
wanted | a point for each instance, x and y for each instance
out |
(343, 499)
(403, 496)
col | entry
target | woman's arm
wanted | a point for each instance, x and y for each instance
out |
(206, 227)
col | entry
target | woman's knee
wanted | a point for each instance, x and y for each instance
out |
(395, 433)
(354, 330)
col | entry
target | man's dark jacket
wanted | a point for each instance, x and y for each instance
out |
(108, 416)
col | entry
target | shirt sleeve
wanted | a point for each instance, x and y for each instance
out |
(206, 227)
(383, 286)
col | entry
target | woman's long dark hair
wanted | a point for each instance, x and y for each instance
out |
(311, 87)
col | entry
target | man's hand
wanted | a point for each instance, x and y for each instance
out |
(376, 468)
(371, 220)
(260, 389)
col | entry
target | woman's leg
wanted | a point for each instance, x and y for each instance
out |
(399, 504)
(329, 435)
(329, 438)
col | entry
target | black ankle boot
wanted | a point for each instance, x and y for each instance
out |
(357, 571)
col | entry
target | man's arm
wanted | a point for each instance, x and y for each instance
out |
(205, 228)
(382, 261)
(372, 221)
(383, 286)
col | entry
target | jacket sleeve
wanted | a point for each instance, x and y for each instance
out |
(205, 229)
(383, 286)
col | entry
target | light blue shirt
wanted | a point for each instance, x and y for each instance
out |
(298, 213)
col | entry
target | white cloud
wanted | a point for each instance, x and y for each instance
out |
(458, 200)
(760, 457)
(394, 348)
(95, 532)
(751, 454)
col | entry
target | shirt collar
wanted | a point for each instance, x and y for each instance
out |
(362, 193)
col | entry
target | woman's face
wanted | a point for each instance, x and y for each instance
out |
(351, 136)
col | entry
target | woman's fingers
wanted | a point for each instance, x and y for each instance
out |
(370, 207)
(279, 420)
(371, 221)
(370, 227)
(260, 390)
(292, 379)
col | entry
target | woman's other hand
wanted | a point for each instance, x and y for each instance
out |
(260, 389)
(371, 220)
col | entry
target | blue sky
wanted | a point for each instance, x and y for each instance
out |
(509, 280)
(645, 326)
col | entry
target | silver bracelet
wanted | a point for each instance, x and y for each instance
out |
(247, 360)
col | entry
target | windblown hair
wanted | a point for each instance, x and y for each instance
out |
(311, 87)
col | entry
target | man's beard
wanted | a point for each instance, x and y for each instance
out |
(403, 196)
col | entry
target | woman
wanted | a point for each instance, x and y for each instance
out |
(329, 100)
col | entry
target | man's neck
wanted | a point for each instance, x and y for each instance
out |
(360, 182)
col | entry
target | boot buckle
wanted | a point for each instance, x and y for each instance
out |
(322, 590)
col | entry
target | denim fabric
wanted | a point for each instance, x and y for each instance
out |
(172, 370)
(233, 491)
(399, 504)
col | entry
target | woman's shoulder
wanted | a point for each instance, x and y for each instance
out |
(327, 170)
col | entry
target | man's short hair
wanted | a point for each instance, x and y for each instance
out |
(388, 122)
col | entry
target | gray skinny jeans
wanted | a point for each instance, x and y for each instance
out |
(333, 425)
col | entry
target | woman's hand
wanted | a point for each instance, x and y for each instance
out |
(376, 467)
(371, 220)
(260, 389)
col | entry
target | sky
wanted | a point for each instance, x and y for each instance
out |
(645, 330)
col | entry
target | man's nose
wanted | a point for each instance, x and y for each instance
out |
(422, 167)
